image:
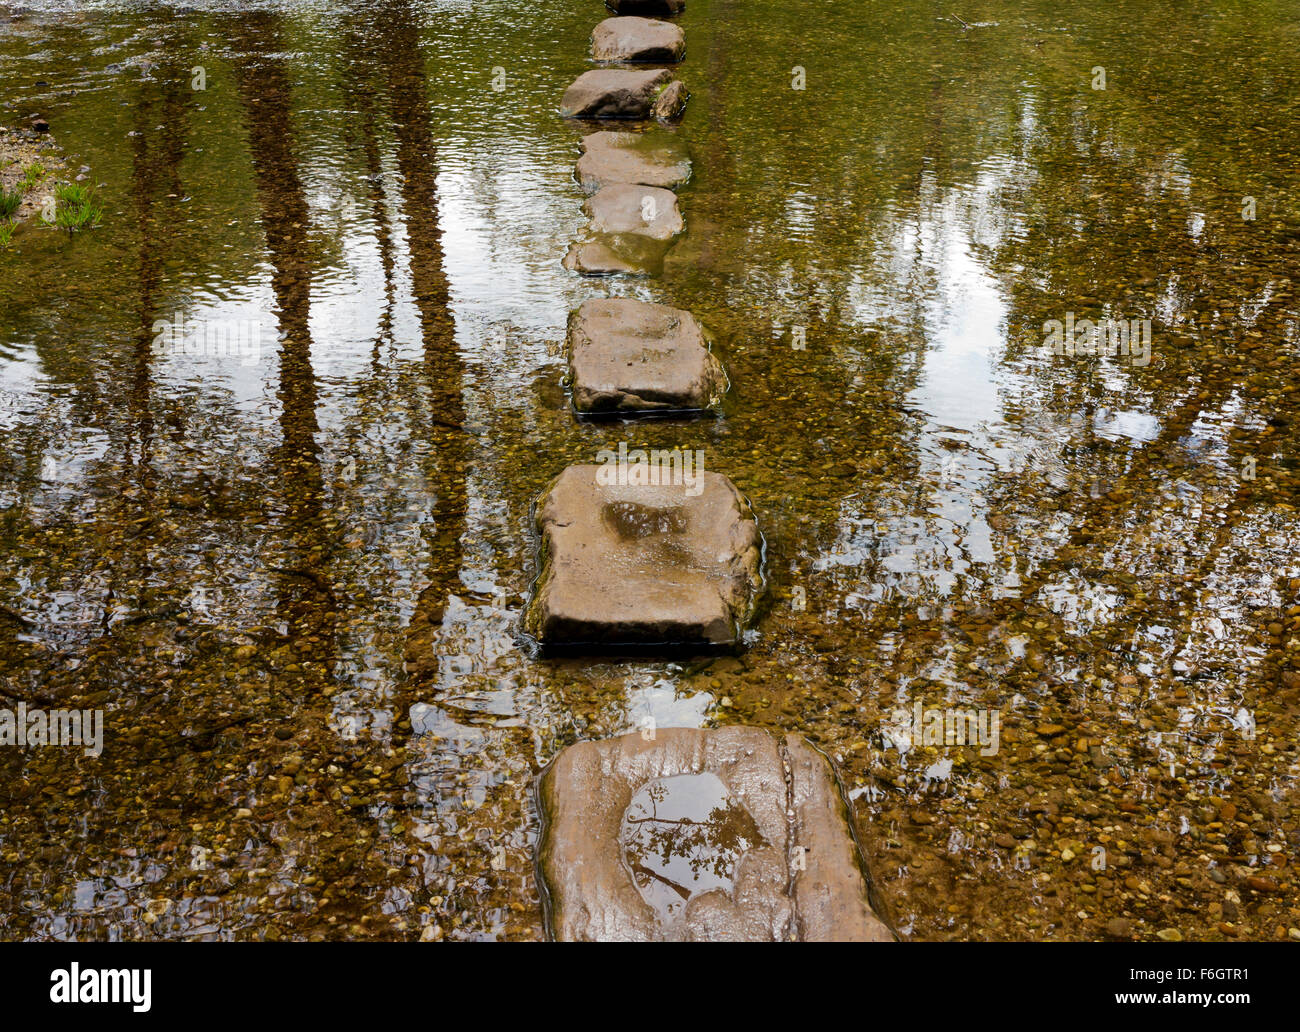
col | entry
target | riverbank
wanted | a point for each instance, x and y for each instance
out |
(29, 162)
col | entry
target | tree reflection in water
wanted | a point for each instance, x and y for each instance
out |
(682, 837)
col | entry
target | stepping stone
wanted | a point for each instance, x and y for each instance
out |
(637, 257)
(645, 549)
(632, 228)
(729, 834)
(626, 208)
(653, 8)
(638, 40)
(671, 103)
(649, 159)
(633, 356)
(615, 93)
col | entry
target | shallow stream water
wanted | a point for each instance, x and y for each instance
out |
(288, 559)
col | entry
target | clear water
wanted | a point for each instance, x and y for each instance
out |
(288, 560)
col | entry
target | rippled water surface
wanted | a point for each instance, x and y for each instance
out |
(289, 564)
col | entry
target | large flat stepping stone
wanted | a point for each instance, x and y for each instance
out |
(628, 93)
(655, 158)
(644, 549)
(653, 8)
(638, 40)
(634, 356)
(730, 834)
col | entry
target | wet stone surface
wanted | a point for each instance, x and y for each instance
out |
(631, 230)
(670, 105)
(631, 256)
(638, 40)
(682, 836)
(647, 549)
(618, 93)
(654, 158)
(634, 356)
(731, 834)
(629, 209)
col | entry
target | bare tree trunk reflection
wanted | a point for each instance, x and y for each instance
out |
(307, 603)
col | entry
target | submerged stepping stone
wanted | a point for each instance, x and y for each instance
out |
(650, 7)
(645, 549)
(615, 93)
(730, 834)
(648, 159)
(638, 40)
(634, 356)
(632, 228)
(630, 257)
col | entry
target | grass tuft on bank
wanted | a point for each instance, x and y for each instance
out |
(74, 208)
